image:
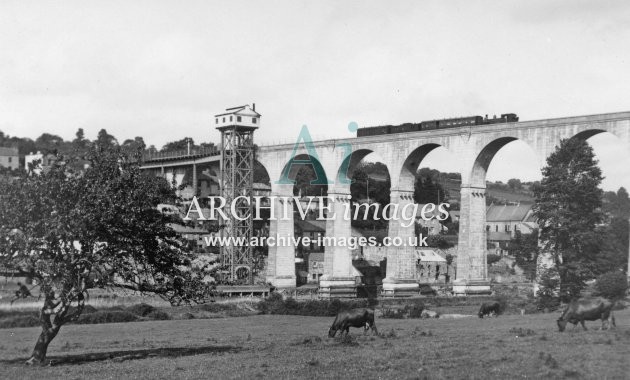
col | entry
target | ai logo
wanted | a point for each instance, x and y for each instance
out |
(305, 138)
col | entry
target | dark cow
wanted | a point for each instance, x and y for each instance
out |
(22, 293)
(488, 308)
(353, 318)
(587, 309)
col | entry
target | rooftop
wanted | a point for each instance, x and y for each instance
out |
(429, 255)
(507, 213)
(7, 151)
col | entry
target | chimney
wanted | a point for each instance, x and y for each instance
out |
(254, 107)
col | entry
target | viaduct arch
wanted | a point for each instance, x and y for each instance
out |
(472, 146)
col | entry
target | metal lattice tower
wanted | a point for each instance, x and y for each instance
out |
(237, 126)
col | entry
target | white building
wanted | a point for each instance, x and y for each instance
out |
(242, 115)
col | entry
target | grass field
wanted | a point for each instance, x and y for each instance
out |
(270, 346)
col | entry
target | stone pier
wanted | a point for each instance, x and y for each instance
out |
(472, 274)
(281, 260)
(401, 278)
(339, 279)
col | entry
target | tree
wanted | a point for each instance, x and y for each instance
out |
(371, 183)
(72, 231)
(613, 247)
(179, 145)
(105, 140)
(524, 249)
(568, 203)
(492, 258)
(612, 285)
(136, 145)
(427, 189)
(617, 204)
(47, 143)
(546, 296)
(515, 184)
(303, 186)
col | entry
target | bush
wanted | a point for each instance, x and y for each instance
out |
(547, 295)
(438, 241)
(612, 285)
(502, 299)
(414, 311)
(19, 321)
(216, 307)
(141, 309)
(158, 315)
(393, 313)
(492, 258)
(274, 304)
(89, 309)
(106, 316)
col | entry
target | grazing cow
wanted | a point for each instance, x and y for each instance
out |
(22, 293)
(587, 309)
(429, 314)
(353, 318)
(488, 308)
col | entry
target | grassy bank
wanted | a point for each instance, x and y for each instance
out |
(283, 346)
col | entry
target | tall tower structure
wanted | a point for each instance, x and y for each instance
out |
(237, 126)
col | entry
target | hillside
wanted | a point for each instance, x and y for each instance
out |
(495, 192)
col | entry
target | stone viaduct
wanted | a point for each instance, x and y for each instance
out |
(403, 153)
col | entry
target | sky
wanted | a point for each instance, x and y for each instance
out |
(162, 69)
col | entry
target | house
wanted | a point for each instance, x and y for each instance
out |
(511, 218)
(9, 158)
(430, 267)
(45, 161)
(315, 266)
(313, 254)
(314, 230)
(432, 226)
(503, 222)
(426, 266)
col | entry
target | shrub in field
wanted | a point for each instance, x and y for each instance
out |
(393, 313)
(503, 302)
(547, 297)
(414, 311)
(216, 307)
(275, 304)
(141, 309)
(106, 316)
(612, 285)
(158, 315)
(89, 309)
(19, 321)
(17, 313)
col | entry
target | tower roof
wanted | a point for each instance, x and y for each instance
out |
(245, 110)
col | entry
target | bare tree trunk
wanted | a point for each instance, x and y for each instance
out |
(39, 352)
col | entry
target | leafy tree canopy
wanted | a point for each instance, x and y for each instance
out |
(73, 231)
(524, 249)
(568, 209)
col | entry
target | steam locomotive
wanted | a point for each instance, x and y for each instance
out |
(436, 124)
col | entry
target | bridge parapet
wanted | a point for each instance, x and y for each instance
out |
(176, 155)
